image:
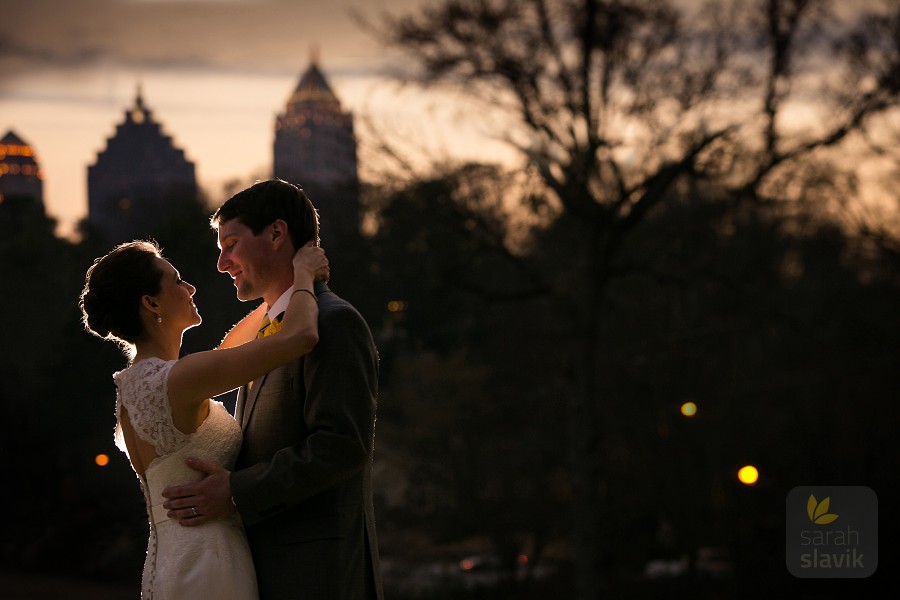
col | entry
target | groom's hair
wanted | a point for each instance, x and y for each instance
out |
(266, 201)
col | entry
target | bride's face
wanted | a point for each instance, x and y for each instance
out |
(176, 298)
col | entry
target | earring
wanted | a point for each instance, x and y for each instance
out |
(159, 318)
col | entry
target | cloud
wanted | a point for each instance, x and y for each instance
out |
(190, 1)
(268, 35)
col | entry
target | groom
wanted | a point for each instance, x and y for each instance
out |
(302, 482)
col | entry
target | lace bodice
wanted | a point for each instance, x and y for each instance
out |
(213, 556)
(143, 390)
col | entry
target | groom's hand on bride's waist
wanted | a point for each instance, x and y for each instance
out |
(202, 501)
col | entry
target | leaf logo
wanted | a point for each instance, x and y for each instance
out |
(818, 511)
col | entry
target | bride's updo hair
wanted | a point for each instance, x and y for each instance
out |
(113, 287)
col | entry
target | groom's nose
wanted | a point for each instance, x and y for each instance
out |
(223, 263)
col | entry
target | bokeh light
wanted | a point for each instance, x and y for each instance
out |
(689, 409)
(397, 305)
(748, 475)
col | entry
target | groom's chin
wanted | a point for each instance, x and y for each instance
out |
(245, 294)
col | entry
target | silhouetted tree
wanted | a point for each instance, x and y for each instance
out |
(767, 320)
(614, 103)
(466, 406)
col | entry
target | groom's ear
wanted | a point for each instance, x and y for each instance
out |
(279, 233)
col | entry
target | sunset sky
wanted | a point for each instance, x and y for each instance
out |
(214, 72)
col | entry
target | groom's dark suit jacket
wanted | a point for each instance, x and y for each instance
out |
(302, 482)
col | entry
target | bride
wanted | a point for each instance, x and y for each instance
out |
(136, 298)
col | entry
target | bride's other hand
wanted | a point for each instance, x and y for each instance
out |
(310, 262)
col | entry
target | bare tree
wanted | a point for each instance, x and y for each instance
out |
(615, 103)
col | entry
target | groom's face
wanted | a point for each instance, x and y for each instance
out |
(246, 257)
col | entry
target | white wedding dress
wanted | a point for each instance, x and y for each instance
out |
(206, 561)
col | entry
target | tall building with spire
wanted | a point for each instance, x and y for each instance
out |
(315, 148)
(139, 180)
(21, 178)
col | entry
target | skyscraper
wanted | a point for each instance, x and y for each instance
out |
(21, 178)
(315, 148)
(140, 180)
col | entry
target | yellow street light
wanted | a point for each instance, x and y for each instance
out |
(689, 409)
(748, 475)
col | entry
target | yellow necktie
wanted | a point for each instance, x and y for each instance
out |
(269, 327)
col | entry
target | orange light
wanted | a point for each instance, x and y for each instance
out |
(748, 475)
(102, 460)
(396, 305)
(467, 564)
(689, 409)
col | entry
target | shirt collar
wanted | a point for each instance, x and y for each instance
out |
(281, 304)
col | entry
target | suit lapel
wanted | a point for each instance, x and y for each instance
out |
(239, 404)
(249, 402)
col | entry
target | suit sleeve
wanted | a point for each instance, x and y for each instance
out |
(340, 381)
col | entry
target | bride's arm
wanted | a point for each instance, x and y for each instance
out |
(245, 330)
(203, 375)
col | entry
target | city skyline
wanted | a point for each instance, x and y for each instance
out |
(67, 76)
(216, 73)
